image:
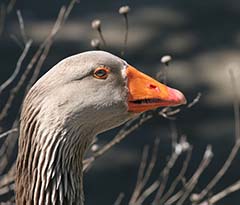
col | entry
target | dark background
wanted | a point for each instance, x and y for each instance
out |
(202, 36)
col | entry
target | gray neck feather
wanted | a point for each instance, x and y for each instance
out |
(49, 165)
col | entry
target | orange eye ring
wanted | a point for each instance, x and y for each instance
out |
(101, 73)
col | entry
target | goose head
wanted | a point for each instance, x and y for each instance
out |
(99, 90)
(81, 96)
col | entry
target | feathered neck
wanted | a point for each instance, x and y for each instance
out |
(49, 164)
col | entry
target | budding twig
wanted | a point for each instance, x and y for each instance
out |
(179, 149)
(166, 60)
(178, 178)
(96, 25)
(163, 73)
(124, 10)
(181, 195)
(234, 151)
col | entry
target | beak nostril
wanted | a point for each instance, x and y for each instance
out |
(154, 87)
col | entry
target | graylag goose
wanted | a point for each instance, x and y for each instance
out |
(80, 97)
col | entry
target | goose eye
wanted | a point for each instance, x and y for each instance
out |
(101, 73)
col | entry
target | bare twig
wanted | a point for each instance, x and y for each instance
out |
(151, 163)
(119, 199)
(147, 192)
(142, 179)
(178, 178)
(194, 180)
(220, 173)
(10, 5)
(38, 59)
(234, 151)
(142, 167)
(8, 178)
(159, 184)
(222, 194)
(48, 44)
(18, 67)
(118, 138)
(124, 10)
(126, 35)
(164, 176)
(6, 189)
(7, 181)
(42, 53)
(22, 29)
(170, 112)
(181, 195)
(174, 134)
(8, 132)
(235, 105)
(195, 100)
(7, 148)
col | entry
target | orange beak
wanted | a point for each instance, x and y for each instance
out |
(145, 93)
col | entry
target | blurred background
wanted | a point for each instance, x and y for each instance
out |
(203, 37)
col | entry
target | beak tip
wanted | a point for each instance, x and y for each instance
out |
(178, 97)
(182, 98)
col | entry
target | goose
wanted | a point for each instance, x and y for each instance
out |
(80, 97)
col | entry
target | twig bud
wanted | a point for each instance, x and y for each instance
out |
(166, 59)
(94, 147)
(178, 149)
(95, 43)
(184, 143)
(124, 10)
(208, 153)
(194, 197)
(182, 146)
(96, 24)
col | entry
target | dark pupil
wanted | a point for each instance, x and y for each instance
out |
(100, 73)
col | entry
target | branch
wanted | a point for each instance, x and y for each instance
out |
(222, 194)
(124, 10)
(178, 178)
(170, 112)
(181, 195)
(8, 132)
(164, 176)
(18, 67)
(119, 199)
(235, 149)
(42, 53)
(7, 149)
(142, 179)
(22, 28)
(235, 105)
(123, 133)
